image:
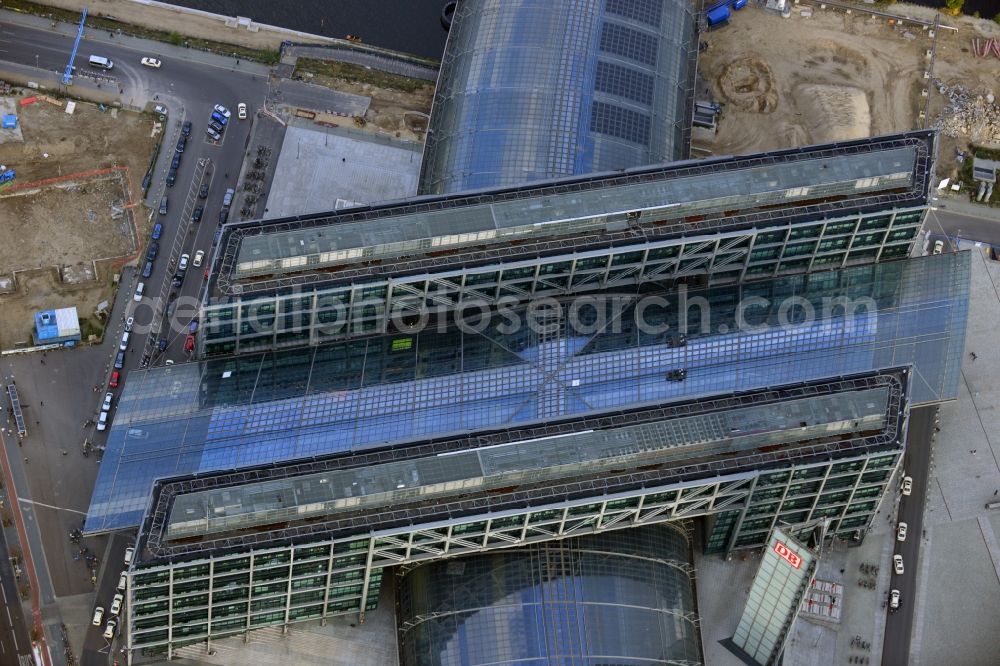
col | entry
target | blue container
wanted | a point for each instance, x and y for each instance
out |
(717, 15)
(739, 4)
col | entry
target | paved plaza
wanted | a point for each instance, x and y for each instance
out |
(320, 169)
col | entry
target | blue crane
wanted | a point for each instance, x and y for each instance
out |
(68, 74)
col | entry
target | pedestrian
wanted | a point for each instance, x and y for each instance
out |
(41, 402)
(972, 355)
(42, 360)
(995, 492)
(343, 159)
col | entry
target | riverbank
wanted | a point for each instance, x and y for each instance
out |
(234, 36)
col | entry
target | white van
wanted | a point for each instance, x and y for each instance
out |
(101, 62)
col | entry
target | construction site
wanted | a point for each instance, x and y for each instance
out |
(69, 223)
(835, 75)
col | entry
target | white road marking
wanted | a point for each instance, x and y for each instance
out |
(4, 593)
(10, 620)
(49, 506)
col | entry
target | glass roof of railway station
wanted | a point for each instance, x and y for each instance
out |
(229, 413)
(532, 461)
(782, 178)
(536, 89)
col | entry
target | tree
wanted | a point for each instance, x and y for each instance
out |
(954, 6)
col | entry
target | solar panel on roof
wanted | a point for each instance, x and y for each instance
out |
(629, 43)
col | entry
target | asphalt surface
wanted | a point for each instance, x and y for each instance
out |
(97, 648)
(14, 636)
(953, 224)
(916, 462)
(189, 84)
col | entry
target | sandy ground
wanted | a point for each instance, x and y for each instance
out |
(830, 77)
(393, 112)
(67, 225)
(63, 226)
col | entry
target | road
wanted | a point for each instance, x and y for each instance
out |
(189, 84)
(916, 461)
(189, 89)
(953, 224)
(14, 637)
(96, 648)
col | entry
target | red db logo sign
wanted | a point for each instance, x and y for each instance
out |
(787, 555)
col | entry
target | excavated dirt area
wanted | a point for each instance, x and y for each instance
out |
(831, 76)
(399, 112)
(53, 233)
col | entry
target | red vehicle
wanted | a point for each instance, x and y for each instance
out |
(114, 379)
(189, 343)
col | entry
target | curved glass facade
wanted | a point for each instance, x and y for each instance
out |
(625, 598)
(537, 89)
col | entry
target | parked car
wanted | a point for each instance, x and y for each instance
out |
(216, 127)
(123, 581)
(119, 360)
(215, 135)
(129, 552)
(161, 344)
(157, 231)
(227, 198)
(897, 564)
(147, 270)
(116, 604)
(901, 532)
(203, 192)
(98, 616)
(186, 128)
(198, 256)
(241, 111)
(219, 118)
(113, 383)
(129, 323)
(223, 215)
(171, 177)
(938, 247)
(152, 250)
(108, 397)
(189, 343)
(163, 205)
(102, 421)
(176, 162)
(894, 599)
(197, 213)
(184, 262)
(907, 485)
(177, 280)
(193, 327)
(109, 629)
(151, 62)
(139, 288)
(123, 345)
(181, 144)
(222, 110)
